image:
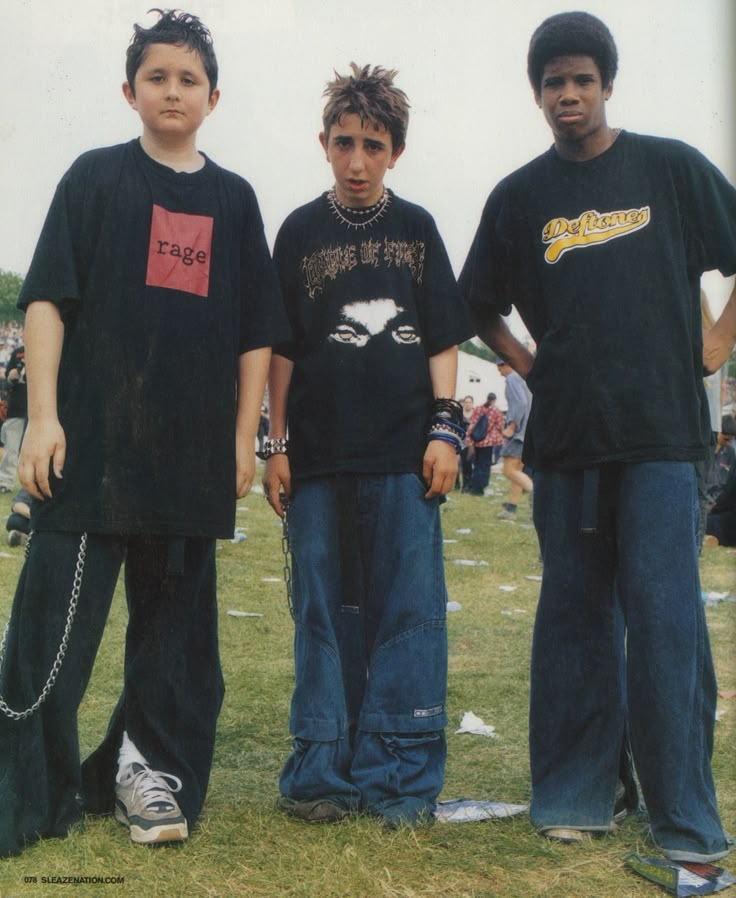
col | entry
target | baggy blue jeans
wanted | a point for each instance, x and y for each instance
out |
(620, 630)
(370, 646)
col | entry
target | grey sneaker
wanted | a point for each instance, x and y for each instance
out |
(506, 515)
(16, 538)
(564, 834)
(144, 802)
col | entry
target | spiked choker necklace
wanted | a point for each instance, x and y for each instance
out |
(359, 217)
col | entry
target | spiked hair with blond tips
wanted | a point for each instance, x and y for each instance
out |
(371, 94)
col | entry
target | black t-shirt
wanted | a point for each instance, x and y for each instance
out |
(368, 306)
(16, 387)
(603, 260)
(163, 279)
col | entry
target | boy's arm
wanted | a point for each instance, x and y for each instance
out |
(44, 441)
(439, 468)
(494, 332)
(719, 341)
(252, 374)
(277, 476)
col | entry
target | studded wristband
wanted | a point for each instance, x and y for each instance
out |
(277, 446)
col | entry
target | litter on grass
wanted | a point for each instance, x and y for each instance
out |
(468, 810)
(713, 598)
(536, 577)
(449, 540)
(454, 606)
(234, 613)
(473, 724)
(467, 563)
(271, 580)
(681, 879)
(506, 587)
(464, 530)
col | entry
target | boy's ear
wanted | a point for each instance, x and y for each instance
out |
(214, 99)
(128, 94)
(395, 155)
(537, 97)
(323, 141)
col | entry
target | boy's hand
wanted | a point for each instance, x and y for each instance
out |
(277, 482)
(439, 469)
(245, 464)
(44, 442)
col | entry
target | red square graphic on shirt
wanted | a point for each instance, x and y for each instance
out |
(179, 252)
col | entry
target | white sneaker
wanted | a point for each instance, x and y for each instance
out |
(144, 802)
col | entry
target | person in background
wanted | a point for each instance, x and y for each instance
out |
(15, 421)
(518, 401)
(483, 435)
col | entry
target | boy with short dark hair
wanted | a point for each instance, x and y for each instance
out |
(365, 390)
(152, 263)
(600, 243)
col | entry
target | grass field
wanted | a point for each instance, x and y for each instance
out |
(244, 847)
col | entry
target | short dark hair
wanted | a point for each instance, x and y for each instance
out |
(572, 34)
(371, 94)
(173, 27)
(728, 425)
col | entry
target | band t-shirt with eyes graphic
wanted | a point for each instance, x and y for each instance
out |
(368, 307)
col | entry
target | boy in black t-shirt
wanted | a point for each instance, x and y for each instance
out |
(601, 243)
(152, 264)
(365, 389)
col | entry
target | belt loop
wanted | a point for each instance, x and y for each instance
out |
(175, 555)
(589, 517)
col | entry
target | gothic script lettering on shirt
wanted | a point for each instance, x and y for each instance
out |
(589, 229)
(330, 261)
(179, 251)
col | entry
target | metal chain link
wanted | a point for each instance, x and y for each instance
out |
(56, 666)
(286, 549)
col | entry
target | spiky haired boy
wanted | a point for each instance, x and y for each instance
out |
(366, 391)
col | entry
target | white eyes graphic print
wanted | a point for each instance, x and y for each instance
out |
(360, 321)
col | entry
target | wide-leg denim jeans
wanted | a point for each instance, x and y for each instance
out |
(620, 630)
(370, 647)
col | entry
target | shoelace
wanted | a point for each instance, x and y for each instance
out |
(153, 785)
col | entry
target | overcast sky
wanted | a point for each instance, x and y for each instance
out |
(462, 63)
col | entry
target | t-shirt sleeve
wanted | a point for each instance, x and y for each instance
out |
(263, 320)
(285, 262)
(54, 274)
(444, 316)
(484, 278)
(708, 213)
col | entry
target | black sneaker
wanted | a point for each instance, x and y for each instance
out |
(318, 810)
